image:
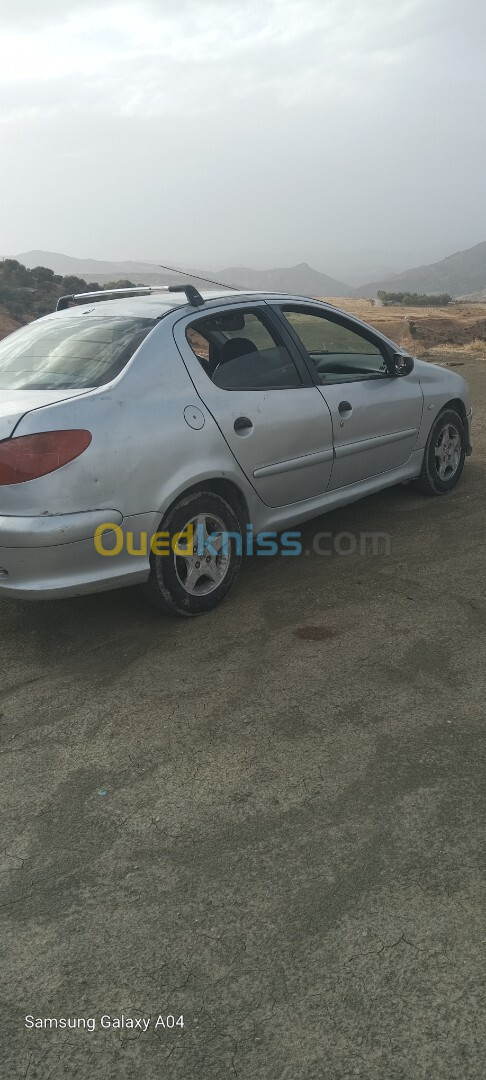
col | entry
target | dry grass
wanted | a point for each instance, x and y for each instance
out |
(472, 348)
(459, 327)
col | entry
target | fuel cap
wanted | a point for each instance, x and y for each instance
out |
(194, 417)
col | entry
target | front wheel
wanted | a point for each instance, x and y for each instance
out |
(197, 572)
(444, 455)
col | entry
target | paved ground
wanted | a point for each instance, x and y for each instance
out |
(289, 850)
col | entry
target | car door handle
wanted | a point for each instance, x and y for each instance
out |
(345, 408)
(243, 425)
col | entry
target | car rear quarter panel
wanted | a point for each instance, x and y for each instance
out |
(142, 453)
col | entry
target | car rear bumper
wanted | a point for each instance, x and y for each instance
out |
(55, 556)
(50, 530)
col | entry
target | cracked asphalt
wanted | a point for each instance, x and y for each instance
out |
(269, 820)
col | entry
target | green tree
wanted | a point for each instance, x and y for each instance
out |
(73, 284)
(122, 284)
(42, 273)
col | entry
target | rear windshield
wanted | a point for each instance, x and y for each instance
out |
(69, 353)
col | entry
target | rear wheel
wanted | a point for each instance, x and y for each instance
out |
(444, 455)
(198, 574)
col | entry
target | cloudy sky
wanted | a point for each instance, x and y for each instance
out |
(231, 131)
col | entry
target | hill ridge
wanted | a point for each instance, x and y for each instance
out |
(298, 278)
(463, 273)
(460, 274)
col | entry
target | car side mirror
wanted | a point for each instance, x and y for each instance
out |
(402, 365)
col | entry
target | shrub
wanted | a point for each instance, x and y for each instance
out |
(409, 299)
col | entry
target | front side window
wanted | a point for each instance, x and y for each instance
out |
(337, 353)
(239, 350)
(71, 353)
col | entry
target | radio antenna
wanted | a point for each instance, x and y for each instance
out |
(209, 281)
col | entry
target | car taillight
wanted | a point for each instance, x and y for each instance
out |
(31, 456)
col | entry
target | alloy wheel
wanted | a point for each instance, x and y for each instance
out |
(197, 568)
(447, 451)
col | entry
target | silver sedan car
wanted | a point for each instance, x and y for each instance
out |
(158, 436)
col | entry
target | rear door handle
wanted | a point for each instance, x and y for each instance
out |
(243, 425)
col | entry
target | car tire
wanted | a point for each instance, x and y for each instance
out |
(211, 577)
(444, 455)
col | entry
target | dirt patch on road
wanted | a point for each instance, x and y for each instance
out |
(314, 633)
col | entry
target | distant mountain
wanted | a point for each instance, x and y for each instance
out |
(294, 279)
(460, 274)
(475, 297)
(297, 279)
(90, 269)
(142, 273)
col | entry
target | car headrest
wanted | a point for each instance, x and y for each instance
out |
(235, 347)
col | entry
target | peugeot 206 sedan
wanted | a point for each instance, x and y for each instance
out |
(204, 418)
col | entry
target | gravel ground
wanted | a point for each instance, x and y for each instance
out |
(269, 820)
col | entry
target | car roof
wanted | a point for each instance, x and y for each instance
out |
(155, 305)
(151, 306)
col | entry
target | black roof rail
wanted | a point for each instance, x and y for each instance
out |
(193, 296)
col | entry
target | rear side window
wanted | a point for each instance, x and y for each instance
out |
(239, 350)
(69, 354)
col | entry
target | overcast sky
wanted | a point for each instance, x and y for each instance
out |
(243, 131)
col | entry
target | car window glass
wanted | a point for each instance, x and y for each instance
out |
(238, 350)
(337, 353)
(199, 344)
(76, 352)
